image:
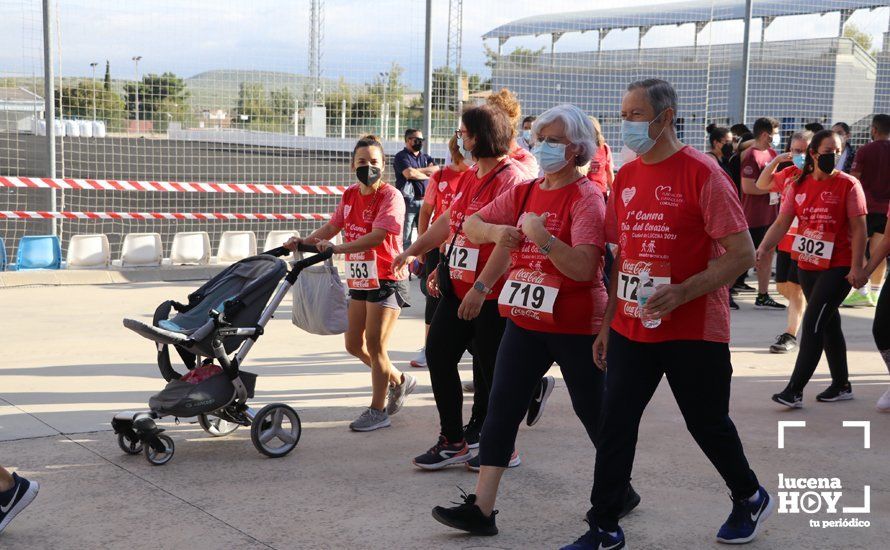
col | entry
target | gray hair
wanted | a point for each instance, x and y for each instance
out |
(802, 135)
(579, 129)
(661, 94)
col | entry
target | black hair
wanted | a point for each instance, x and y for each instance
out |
(881, 123)
(814, 127)
(739, 129)
(844, 126)
(765, 124)
(528, 119)
(410, 131)
(716, 133)
(368, 141)
(808, 163)
(491, 130)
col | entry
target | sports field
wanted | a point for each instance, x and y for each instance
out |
(70, 366)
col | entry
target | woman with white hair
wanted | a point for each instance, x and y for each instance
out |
(553, 299)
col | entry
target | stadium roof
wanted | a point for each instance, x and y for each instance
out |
(677, 13)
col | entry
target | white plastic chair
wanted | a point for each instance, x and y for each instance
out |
(190, 248)
(88, 252)
(277, 238)
(236, 245)
(142, 250)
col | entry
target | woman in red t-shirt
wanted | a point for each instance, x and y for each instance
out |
(601, 170)
(554, 298)
(370, 215)
(786, 268)
(436, 200)
(467, 311)
(830, 252)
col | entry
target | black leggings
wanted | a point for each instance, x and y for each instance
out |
(821, 327)
(881, 327)
(429, 265)
(448, 340)
(523, 358)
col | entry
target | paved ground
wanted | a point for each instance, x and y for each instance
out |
(69, 366)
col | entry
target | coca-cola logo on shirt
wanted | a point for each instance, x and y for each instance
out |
(533, 277)
(635, 267)
(627, 194)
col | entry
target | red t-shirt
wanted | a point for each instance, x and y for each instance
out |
(358, 214)
(823, 209)
(872, 163)
(600, 166)
(440, 190)
(526, 162)
(472, 195)
(667, 218)
(783, 178)
(758, 210)
(577, 213)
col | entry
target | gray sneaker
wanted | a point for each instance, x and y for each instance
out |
(397, 394)
(370, 420)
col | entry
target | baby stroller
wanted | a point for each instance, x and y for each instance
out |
(212, 334)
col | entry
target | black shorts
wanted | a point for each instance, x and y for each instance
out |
(757, 234)
(786, 268)
(876, 223)
(391, 294)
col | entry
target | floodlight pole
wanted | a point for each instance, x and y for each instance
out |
(746, 63)
(49, 101)
(428, 78)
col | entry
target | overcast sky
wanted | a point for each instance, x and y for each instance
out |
(361, 37)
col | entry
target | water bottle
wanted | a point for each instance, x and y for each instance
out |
(644, 292)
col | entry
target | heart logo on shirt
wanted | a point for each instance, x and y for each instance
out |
(443, 185)
(346, 209)
(800, 198)
(628, 194)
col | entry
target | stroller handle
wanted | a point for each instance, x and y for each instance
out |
(282, 251)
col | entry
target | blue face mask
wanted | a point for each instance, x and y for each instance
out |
(551, 156)
(798, 159)
(635, 135)
(777, 140)
(527, 136)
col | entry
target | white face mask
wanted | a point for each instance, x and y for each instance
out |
(777, 139)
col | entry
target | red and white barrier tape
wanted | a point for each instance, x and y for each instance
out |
(149, 216)
(169, 186)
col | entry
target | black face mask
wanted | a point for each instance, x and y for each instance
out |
(417, 145)
(368, 175)
(827, 162)
(727, 150)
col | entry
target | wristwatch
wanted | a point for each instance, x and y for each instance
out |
(480, 287)
(545, 250)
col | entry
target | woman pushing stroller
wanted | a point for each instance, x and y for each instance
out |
(370, 215)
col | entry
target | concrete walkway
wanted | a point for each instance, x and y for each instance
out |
(70, 366)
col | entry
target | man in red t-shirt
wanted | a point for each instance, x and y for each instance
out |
(871, 167)
(761, 206)
(676, 218)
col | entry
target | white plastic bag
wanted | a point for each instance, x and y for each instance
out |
(319, 298)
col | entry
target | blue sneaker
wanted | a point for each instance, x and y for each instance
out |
(595, 539)
(746, 518)
(16, 499)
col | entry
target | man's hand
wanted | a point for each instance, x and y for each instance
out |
(666, 299)
(432, 284)
(857, 277)
(600, 347)
(471, 305)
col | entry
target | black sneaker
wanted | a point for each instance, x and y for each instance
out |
(784, 343)
(631, 501)
(835, 393)
(765, 301)
(536, 406)
(16, 499)
(746, 518)
(732, 305)
(467, 517)
(743, 287)
(472, 431)
(789, 399)
(443, 454)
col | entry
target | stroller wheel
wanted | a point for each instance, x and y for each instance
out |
(128, 444)
(276, 430)
(159, 457)
(215, 426)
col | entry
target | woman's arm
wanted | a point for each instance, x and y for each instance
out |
(858, 233)
(431, 238)
(362, 244)
(578, 263)
(765, 181)
(775, 233)
(324, 233)
(882, 249)
(423, 220)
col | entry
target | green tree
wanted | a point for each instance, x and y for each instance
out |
(523, 57)
(107, 76)
(253, 109)
(159, 96)
(281, 102)
(860, 37)
(86, 98)
(388, 86)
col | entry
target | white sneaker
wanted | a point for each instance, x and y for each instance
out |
(884, 402)
(419, 362)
